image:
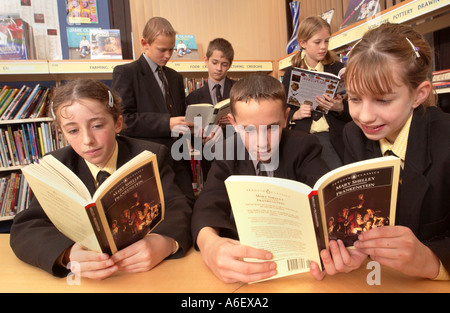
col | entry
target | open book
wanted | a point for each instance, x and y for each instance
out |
(305, 86)
(123, 209)
(210, 114)
(295, 222)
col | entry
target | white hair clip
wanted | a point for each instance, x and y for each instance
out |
(416, 49)
(111, 99)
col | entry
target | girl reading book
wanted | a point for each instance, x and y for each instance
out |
(392, 103)
(313, 37)
(89, 116)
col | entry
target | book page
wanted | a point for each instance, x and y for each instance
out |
(274, 214)
(358, 197)
(63, 207)
(306, 85)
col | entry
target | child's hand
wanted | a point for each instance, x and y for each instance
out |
(339, 260)
(331, 104)
(92, 264)
(178, 125)
(398, 247)
(224, 257)
(144, 254)
(303, 112)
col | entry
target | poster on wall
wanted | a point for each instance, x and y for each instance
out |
(82, 12)
(358, 10)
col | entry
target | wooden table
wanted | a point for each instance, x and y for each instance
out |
(190, 275)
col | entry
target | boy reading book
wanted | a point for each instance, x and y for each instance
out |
(261, 146)
(218, 59)
(89, 116)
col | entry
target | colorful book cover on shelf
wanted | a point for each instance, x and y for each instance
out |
(78, 42)
(82, 11)
(358, 10)
(105, 44)
(185, 48)
(12, 39)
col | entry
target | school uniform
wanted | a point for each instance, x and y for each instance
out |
(207, 94)
(146, 115)
(424, 197)
(336, 121)
(299, 159)
(203, 94)
(35, 240)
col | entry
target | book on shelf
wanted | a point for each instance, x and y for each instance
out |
(78, 41)
(295, 222)
(305, 86)
(21, 144)
(209, 114)
(105, 44)
(127, 206)
(358, 10)
(14, 34)
(440, 76)
(23, 103)
(441, 85)
(15, 195)
(185, 47)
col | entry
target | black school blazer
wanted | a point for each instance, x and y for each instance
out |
(202, 95)
(423, 202)
(144, 108)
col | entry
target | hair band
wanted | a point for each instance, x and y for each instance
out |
(51, 111)
(416, 49)
(111, 99)
(351, 48)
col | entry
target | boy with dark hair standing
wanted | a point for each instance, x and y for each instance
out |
(260, 146)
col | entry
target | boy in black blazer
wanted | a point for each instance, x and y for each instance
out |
(153, 97)
(258, 103)
(218, 59)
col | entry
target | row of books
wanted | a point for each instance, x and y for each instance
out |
(197, 175)
(191, 84)
(25, 102)
(22, 144)
(15, 194)
(441, 79)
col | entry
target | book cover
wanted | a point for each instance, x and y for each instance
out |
(12, 39)
(82, 12)
(78, 41)
(358, 10)
(185, 48)
(306, 85)
(105, 44)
